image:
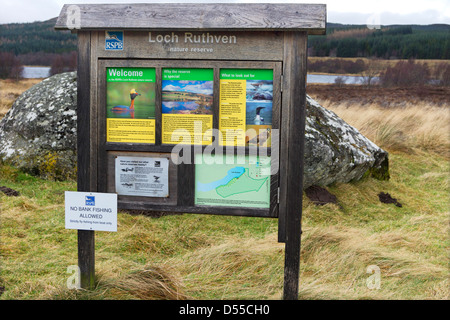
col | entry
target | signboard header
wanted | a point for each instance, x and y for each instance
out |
(310, 18)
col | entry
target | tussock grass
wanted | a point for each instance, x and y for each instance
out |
(151, 283)
(335, 262)
(412, 127)
(234, 268)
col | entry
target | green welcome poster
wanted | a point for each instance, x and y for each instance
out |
(130, 104)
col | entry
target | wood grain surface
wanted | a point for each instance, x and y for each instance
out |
(200, 16)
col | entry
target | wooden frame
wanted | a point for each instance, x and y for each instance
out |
(266, 36)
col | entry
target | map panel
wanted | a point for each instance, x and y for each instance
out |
(242, 182)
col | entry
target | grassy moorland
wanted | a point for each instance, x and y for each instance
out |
(218, 257)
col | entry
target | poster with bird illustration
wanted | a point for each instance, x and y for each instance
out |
(130, 105)
(246, 97)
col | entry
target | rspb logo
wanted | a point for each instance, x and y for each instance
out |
(90, 200)
(113, 40)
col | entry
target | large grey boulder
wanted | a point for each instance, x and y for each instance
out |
(337, 152)
(38, 134)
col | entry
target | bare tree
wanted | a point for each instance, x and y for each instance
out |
(369, 76)
(10, 66)
(340, 81)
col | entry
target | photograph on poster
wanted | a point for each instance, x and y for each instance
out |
(132, 100)
(130, 93)
(259, 96)
(186, 102)
(187, 97)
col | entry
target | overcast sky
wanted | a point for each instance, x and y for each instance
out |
(341, 11)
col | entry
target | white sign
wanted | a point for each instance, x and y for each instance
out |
(91, 211)
(141, 176)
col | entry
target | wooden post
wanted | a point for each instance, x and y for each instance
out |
(86, 258)
(86, 243)
(295, 58)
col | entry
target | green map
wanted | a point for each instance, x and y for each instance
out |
(245, 182)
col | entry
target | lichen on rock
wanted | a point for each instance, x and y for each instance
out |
(337, 152)
(38, 134)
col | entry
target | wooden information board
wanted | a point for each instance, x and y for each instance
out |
(196, 108)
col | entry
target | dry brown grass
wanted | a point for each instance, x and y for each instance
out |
(415, 126)
(235, 267)
(10, 90)
(335, 260)
(395, 97)
(218, 257)
(151, 283)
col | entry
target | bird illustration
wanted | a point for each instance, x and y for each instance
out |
(112, 36)
(156, 178)
(258, 119)
(125, 109)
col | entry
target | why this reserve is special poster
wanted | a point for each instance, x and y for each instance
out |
(242, 182)
(141, 176)
(130, 105)
(187, 99)
(246, 97)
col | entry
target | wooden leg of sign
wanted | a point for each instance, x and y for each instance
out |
(86, 250)
(295, 57)
(86, 258)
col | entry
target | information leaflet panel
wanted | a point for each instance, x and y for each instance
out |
(246, 100)
(130, 105)
(141, 176)
(187, 99)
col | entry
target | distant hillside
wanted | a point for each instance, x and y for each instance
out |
(37, 43)
(30, 40)
(22, 38)
(393, 41)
